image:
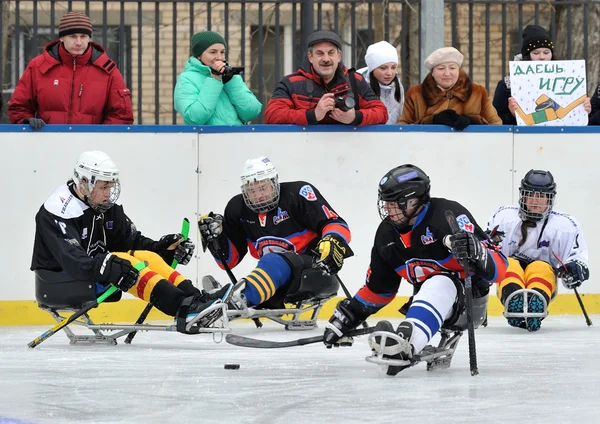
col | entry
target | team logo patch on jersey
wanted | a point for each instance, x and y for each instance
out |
(465, 224)
(428, 238)
(262, 218)
(418, 270)
(543, 243)
(270, 244)
(84, 234)
(56, 83)
(280, 217)
(308, 193)
(109, 225)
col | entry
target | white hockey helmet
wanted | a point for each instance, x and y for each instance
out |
(260, 198)
(92, 167)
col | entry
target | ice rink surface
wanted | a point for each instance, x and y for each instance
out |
(552, 376)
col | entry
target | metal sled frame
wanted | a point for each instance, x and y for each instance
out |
(276, 315)
(525, 313)
(438, 357)
(219, 326)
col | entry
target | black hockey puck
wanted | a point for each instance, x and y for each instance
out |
(232, 366)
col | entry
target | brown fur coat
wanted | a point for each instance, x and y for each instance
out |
(425, 100)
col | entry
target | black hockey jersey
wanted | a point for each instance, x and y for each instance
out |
(420, 253)
(299, 221)
(69, 234)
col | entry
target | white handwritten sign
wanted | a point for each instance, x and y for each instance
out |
(549, 93)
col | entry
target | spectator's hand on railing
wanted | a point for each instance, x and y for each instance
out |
(344, 117)
(35, 123)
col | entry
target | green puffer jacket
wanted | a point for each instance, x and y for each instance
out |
(203, 100)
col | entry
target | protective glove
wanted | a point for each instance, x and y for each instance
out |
(35, 123)
(341, 323)
(109, 268)
(465, 246)
(331, 252)
(576, 272)
(210, 227)
(173, 246)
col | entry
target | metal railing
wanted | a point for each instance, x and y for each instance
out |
(150, 39)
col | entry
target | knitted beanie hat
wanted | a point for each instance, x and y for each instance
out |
(74, 23)
(203, 40)
(443, 55)
(380, 53)
(534, 37)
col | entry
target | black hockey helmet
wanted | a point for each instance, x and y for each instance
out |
(402, 184)
(536, 184)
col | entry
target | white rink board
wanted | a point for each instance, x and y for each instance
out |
(158, 178)
(161, 186)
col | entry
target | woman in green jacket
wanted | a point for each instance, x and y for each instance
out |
(208, 92)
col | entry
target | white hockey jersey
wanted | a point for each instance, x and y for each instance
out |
(562, 234)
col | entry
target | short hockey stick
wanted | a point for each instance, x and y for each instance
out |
(185, 230)
(469, 298)
(91, 305)
(268, 344)
(588, 321)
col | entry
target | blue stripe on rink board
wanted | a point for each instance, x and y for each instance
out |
(258, 128)
(263, 128)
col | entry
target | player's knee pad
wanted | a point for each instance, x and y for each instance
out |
(458, 318)
(478, 315)
(314, 284)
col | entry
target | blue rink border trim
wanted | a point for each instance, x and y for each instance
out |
(262, 128)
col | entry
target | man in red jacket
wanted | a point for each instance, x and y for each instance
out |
(323, 91)
(72, 82)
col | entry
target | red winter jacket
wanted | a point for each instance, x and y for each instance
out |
(292, 103)
(64, 89)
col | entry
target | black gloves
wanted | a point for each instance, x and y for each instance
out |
(227, 75)
(173, 246)
(331, 252)
(109, 268)
(576, 272)
(452, 119)
(210, 227)
(465, 246)
(35, 123)
(341, 323)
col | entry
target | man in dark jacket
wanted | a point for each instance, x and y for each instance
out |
(324, 91)
(72, 82)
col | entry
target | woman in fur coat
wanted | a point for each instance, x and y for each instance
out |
(447, 96)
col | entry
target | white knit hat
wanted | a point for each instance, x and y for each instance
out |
(443, 55)
(380, 53)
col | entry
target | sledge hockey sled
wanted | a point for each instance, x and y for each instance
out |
(57, 293)
(439, 357)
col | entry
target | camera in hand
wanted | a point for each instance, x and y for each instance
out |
(344, 103)
(229, 70)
